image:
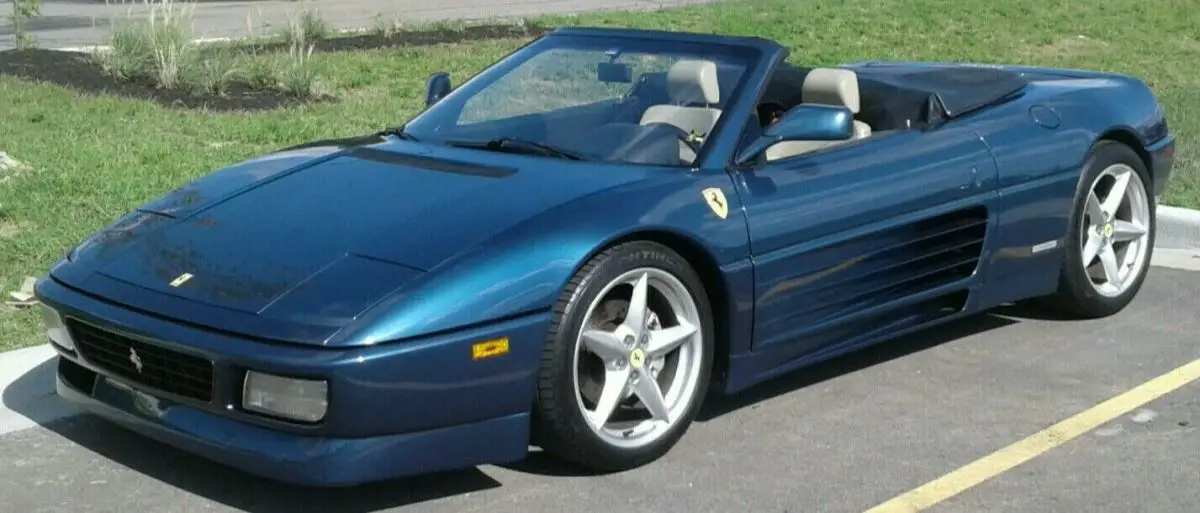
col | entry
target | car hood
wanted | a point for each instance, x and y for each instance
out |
(294, 246)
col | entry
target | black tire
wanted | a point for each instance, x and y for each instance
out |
(559, 425)
(1076, 295)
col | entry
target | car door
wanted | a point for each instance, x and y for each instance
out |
(864, 236)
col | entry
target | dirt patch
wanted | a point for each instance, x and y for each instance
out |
(1073, 46)
(11, 228)
(77, 71)
(1189, 45)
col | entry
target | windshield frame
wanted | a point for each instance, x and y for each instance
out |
(756, 54)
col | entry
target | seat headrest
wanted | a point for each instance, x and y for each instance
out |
(693, 81)
(831, 86)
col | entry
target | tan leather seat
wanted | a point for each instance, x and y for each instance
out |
(825, 86)
(693, 89)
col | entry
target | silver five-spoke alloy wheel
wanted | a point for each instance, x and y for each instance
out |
(1114, 226)
(638, 357)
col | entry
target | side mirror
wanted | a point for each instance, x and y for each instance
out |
(805, 122)
(437, 87)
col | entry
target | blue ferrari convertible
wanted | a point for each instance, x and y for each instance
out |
(574, 247)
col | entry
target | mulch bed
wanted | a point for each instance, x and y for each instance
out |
(77, 71)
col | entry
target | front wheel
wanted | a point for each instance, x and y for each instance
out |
(628, 359)
(1111, 237)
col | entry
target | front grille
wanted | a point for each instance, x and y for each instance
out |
(161, 368)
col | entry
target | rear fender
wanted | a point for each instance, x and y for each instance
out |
(1040, 144)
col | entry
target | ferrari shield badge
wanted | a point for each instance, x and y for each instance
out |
(181, 279)
(715, 198)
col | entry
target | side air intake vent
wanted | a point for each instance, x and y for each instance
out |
(895, 264)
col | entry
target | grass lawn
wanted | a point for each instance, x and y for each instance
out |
(95, 158)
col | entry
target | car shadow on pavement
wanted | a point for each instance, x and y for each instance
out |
(1032, 311)
(717, 405)
(220, 483)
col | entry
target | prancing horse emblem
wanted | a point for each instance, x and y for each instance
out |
(716, 201)
(137, 360)
(637, 358)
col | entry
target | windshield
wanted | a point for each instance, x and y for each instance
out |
(646, 101)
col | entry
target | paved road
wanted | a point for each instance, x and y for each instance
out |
(71, 23)
(840, 438)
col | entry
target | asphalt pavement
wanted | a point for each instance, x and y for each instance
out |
(74, 23)
(841, 437)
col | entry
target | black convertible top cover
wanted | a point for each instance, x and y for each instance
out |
(902, 95)
(959, 89)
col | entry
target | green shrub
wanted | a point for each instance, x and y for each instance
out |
(305, 27)
(297, 76)
(214, 70)
(159, 47)
(129, 53)
(386, 26)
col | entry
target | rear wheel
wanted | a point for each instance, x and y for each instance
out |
(628, 359)
(1111, 237)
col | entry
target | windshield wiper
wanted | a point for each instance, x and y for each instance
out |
(397, 131)
(518, 145)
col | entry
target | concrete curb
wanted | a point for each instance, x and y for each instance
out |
(200, 41)
(1178, 228)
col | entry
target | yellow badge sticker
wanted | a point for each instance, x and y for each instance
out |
(637, 358)
(181, 279)
(489, 348)
(1108, 230)
(715, 198)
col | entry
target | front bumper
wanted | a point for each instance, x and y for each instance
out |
(394, 410)
(309, 461)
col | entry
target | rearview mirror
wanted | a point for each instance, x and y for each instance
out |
(805, 122)
(437, 87)
(614, 73)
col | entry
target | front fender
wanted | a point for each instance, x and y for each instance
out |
(525, 268)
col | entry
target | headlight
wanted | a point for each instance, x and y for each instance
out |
(297, 399)
(56, 331)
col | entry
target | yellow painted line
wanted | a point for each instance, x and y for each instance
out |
(1005, 459)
